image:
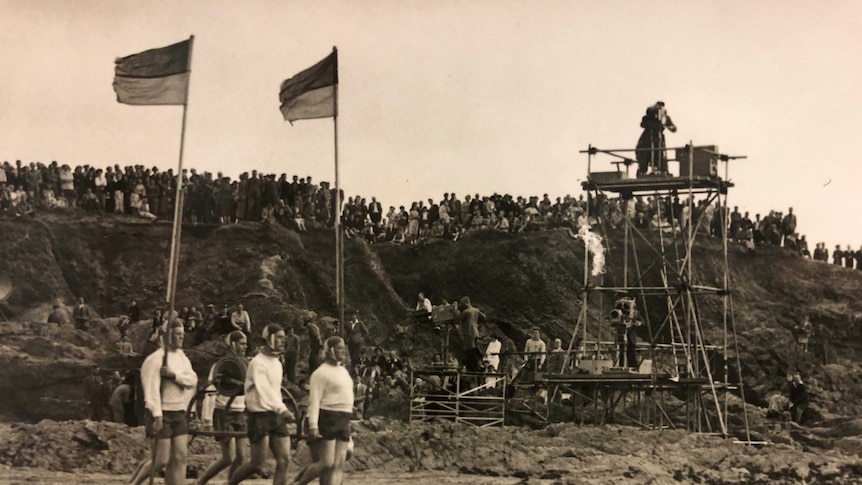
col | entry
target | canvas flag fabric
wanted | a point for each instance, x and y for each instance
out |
(154, 77)
(311, 93)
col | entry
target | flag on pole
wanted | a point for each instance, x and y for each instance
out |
(311, 93)
(154, 77)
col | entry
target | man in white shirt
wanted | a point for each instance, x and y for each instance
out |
(535, 349)
(240, 319)
(267, 414)
(423, 304)
(169, 385)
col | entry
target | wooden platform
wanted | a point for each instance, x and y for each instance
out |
(658, 183)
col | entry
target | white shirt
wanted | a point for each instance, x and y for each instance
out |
(425, 304)
(534, 345)
(242, 319)
(168, 395)
(263, 384)
(331, 388)
(492, 353)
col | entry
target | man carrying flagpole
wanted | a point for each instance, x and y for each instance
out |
(168, 389)
(161, 77)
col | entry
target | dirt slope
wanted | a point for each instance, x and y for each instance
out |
(518, 280)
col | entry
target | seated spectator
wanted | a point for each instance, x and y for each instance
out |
(123, 325)
(125, 347)
(144, 210)
(89, 201)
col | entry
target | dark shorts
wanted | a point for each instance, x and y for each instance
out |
(233, 421)
(174, 423)
(261, 425)
(334, 425)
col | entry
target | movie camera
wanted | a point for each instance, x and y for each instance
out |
(625, 312)
(439, 315)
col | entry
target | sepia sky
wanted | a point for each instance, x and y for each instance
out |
(457, 96)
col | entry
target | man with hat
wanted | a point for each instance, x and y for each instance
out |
(651, 143)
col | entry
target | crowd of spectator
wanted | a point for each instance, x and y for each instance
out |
(151, 193)
(217, 199)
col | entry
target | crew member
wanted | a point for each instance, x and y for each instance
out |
(167, 392)
(267, 414)
(224, 419)
(423, 308)
(330, 408)
(651, 142)
(535, 349)
(470, 317)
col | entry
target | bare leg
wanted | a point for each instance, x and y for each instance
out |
(162, 453)
(227, 457)
(138, 470)
(335, 474)
(176, 471)
(280, 447)
(325, 450)
(241, 444)
(258, 457)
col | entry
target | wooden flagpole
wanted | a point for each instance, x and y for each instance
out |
(173, 264)
(339, 236)
(178, 210)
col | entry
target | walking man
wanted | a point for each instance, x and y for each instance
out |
(267, 414)
(168, 389)
(330, 408)
(227, 419)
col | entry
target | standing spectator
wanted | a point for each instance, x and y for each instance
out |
(788, 224)
(849, 257)
(291, 353)
(81, 314)
(375, 211)
(803, 334)
(67, 185)
(315, 343)
(838, 255)
(93, 390)
(798, 398)
(119, 401)
(356, 333)
(134, 312)
(223, 322)
(469, 317)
